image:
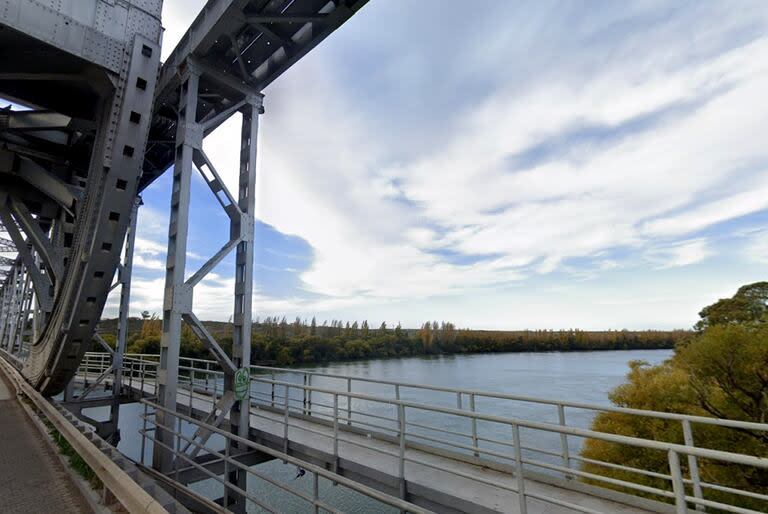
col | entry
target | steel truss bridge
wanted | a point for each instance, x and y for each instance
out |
(102, 118)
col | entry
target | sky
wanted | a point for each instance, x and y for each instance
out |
(505, 165)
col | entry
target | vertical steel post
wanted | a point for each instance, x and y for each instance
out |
(315, 493)
(272, 401)
(124, 277)
(474, 424)
(349, 402)
(177, 295)
(519, 469)
(191, 389)
(564, 450)
(335, 433)
(401, 454)
(693, 464)
(239, 417)
(677, 482)
(143, 432)
(286, 420)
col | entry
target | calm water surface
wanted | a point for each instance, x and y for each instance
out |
(578, 377)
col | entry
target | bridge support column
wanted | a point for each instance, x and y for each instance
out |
(239, 417)
(124, 278)
(178, 299)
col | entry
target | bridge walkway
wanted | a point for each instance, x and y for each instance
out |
(32, 479)
(471, 488)
(438, 482)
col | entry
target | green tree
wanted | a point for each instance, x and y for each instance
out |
(748, 305)
(721, 372)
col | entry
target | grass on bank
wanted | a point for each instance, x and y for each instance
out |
(76, 462)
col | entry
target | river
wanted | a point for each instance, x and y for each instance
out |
(575, 376)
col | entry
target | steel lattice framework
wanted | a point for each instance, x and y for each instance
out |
(101, 120)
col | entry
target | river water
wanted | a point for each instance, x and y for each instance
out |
(576, 377)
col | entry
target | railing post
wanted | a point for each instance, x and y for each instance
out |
(309, 395)
(335, 433)
(315, 494)
(177, 450)
(677, 482)
(401, 458)
(273, 390)
(693, 464)
(349, 401)
(143, 433)
(519, 469)
(474, 423)
(565, 452)
(191, 389)
(285, 421)
(458, 400)
(207, 374)
(304, 395)
(397, 392)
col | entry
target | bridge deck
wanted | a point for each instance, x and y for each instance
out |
(375, 463)
(32, 479)
(372, 453)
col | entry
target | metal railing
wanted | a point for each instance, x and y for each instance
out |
(313, 498)
(463, 431)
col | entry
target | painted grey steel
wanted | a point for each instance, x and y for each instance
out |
(93, 75)
(111, 363)
(243, 43)
(124, 274)
(94, 30)
(317, 471)
(178, 300)
(70, 167)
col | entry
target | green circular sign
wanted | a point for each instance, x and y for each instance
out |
(242, 383)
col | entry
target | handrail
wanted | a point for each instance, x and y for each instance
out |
(365, 417)
(730, 423)
(315, 470)
(707, 453)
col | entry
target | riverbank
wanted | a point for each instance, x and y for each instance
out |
(276, 342)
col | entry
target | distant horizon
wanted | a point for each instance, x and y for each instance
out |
(376, 325)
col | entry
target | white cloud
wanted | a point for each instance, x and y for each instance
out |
(756, 249)
(733, 206)
(145, 246)
(389, 215)
(368, 246)
(140, 261)
(683, 253)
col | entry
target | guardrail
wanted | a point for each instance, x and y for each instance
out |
(419, 421)
(315, 472)
(127, 492)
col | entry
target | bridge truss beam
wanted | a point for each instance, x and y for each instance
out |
(178, 300)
